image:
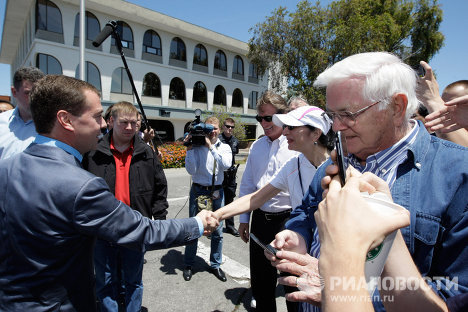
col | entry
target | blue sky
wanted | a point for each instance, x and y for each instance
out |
(235, 18)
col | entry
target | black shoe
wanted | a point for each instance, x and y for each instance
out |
(232, 231)
(187, 273)
(219, 274)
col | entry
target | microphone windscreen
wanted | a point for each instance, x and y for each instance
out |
(106, 31)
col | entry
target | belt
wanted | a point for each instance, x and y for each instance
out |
(274, 215)
(207, 188)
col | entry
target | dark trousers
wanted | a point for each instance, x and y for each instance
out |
(229, 195)
(263, 275)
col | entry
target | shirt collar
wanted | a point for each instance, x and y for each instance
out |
(280, 138)
(217, 143)
(40, 139)
(16, 115)
(112, 146)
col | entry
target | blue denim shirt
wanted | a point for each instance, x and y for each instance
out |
(433, 185)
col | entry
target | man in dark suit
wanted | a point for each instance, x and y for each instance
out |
(51, 210)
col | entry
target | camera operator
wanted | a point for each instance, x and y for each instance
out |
(229, 183)
(206, 164)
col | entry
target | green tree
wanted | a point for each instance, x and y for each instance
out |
(307, 41)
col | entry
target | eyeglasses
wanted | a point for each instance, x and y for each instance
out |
(229, 127)
(290, 127)
(266, 118)
(348, 118)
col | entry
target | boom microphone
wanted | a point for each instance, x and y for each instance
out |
(105, 32)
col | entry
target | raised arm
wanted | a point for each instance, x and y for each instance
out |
(428, 93)
(247, 203)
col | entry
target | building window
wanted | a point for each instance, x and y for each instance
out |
(237, 98)
(178, 50)
(253, 100)
(199, 92)
(120, 82)
(219, 96)
(48, 16)
(152, 43)
(125, 33)
(48, 64)
(151, 85)
(177, 89)
(92, 27)
(92, 75)
(253, 71)
(238, 67)
(200, 56)
(220, 61)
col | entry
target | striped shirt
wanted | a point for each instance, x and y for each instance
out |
(383, 164)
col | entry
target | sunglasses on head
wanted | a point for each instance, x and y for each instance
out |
(266, 118)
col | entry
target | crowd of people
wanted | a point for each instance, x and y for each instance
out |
(403, 139)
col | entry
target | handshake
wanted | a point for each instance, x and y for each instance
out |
(210, 222)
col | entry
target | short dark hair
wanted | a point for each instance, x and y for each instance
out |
(325, 139)
(32, 74)
(461, 83)
(57, 92)
(108, 113)
(230, 120)
(5, 101)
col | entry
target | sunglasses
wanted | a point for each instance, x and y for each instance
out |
(290, 127)
(229, 127)
(266, 118)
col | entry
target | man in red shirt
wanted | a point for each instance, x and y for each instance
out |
(134, 174)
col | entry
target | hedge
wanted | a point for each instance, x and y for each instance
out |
(173, 155)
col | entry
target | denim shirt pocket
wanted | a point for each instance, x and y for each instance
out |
(427, 230)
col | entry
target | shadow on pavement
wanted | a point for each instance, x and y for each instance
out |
(174, 260)
(240, 296)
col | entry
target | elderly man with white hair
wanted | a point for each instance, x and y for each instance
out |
(371, 98)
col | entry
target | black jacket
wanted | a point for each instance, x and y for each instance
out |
(229, 181)
(233, 142)
(148, 184)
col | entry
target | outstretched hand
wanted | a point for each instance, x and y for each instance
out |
(453, 116)
(287, 240)
(305, 276)
(210, 223)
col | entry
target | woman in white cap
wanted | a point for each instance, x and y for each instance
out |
(306, 130)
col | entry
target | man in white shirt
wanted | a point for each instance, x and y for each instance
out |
(266, 156)
(17, 128)
(200, 162)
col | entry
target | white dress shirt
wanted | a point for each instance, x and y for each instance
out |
(265, 158)
(287, 178)
(15, 134)
(199, 163)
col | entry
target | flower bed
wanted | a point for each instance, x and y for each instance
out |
(173, 155)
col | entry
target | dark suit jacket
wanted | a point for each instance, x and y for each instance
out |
(51, 211)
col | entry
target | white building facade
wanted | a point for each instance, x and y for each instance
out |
(176, 66)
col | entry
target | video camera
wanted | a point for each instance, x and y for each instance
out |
(199, 130)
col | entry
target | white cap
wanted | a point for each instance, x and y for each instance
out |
(302, 116)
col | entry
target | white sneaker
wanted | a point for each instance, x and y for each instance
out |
(253, 303)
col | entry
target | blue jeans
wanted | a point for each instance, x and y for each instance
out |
(216, 253)
(116, 268)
